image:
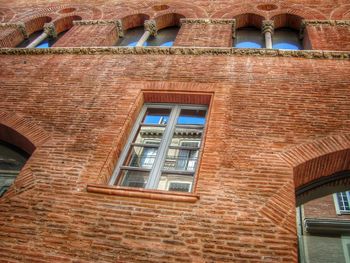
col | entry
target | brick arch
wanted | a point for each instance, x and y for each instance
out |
(27, 136)
(65, 23)
(298, 10)
(168, 19)
(134, 20)
(341, 12)
(185, 9)
(34, 24)
(237, 10)
(319, 159)
(20, 132)
(287, 20)
(248, 20)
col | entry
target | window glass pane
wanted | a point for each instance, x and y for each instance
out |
(181, 160)
(12, 160)
(175, 182)
(156, 116)
(286, 38)
(29, 40)
(142, 157)
(149, 133)
(133, 178)
(196, 117)
(131, 37)
(165, 37)
(186, 134)
(249, 37)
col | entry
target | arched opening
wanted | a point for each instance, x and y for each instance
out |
(34, 27)
(323, 208)
(165, 37)
(133, 30)
(168, 28)
(248, 31)
(12, 159)
(286, 34)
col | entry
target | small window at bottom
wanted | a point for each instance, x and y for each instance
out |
(12, 160)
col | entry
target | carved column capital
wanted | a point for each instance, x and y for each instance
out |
(267, 26)
(50, 30)
(151, 26)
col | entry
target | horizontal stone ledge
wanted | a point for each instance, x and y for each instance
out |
(208, 21)
(143, 193)
(309, 54)
(326, 22)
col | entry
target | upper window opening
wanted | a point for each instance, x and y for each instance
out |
(12, 159)
(163, 149)
(249, 37)
(131, 37)
(165, 37)
(46, 43)
(286, 38)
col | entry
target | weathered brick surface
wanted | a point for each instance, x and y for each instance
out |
(204, 35)
(329, 37)
(262, 107)
(89, 35)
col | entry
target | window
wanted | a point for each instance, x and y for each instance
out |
(163, 149)
(165, 37)
(45, 43)
(131, 37)
(286, 38)
(12, 160)
(342, 202)
(249, 37)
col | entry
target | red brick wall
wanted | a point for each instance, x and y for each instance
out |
(10, 37)
(246, 207)
(326, 37)
(89, 35)
(204, 35)
(261, 107)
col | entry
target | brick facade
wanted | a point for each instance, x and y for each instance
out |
(273, 116)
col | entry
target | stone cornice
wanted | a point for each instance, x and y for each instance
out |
(325, 22)
(18, 25)
(306, 23)
(211, 21)
(309, 54)
(206, 21)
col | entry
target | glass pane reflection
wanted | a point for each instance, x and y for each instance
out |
(194, 117)
(249, 37)
(175, 182)
(134, 178)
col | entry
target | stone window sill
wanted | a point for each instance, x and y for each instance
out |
(143, 193)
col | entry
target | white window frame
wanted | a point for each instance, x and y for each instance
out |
(337, 206)
(156, 171)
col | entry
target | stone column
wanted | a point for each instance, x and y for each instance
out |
(267, 30)
(49, 31)
(150, 29)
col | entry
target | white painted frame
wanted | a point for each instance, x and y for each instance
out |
(156, 171)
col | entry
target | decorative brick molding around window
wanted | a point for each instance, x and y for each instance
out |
(27, 136)
(317, 159)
